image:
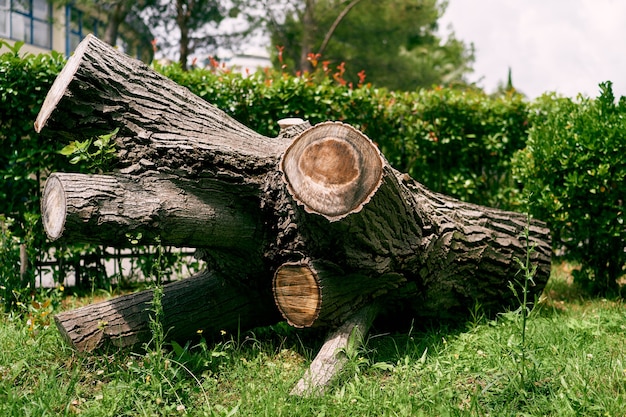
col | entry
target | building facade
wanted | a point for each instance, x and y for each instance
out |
(44, 27)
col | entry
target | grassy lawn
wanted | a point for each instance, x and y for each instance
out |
(572, 362)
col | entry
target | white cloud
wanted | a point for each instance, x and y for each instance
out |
(567, 46)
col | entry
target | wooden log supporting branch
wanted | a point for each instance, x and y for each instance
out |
(206, 303)
(333, 355)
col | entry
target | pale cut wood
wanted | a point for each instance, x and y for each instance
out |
(332, 169)
(313, 293)
(297, 294)
(206, 304)
(333, 355)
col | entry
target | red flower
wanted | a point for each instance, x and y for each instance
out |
(280, 53)
(312, 58)
(361, 75)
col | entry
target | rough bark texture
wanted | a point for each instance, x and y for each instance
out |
(452, 254)
(320, 210)
(206, 303)
(163, 126)
(112, 209)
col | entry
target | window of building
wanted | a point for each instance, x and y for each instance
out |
(5, 12)
(81, 24)
(27, 20)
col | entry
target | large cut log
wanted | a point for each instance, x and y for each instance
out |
(318, 208)
(162, 125)
(206, 303)
(346, 205)
(108, 209)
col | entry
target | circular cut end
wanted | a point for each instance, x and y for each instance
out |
(291, 121)
(332, 169)
(61, 82)
(53, 207)
(297, 294)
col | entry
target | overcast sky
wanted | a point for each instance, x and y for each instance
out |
(567, 46)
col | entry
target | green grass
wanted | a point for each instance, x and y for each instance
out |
(573, 363)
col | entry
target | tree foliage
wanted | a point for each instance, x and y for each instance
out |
(394, 41)
(187, 25)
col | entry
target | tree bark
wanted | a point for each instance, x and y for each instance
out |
(206, 303)
(320, 209)
(163, 127)
(112, 210)
(346, 205)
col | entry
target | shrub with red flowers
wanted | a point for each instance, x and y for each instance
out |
(455, 141)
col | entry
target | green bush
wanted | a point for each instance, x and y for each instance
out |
(574, 171)
(24, 82)
(458, 142)
(25, 158)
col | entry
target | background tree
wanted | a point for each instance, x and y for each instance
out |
(116, 11)
(394, 41)
(186, 26)
(122, 21)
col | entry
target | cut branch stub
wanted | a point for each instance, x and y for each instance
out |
(54, 207)
(332, 169)
(297, 294)
(318, 293)
(108, 209)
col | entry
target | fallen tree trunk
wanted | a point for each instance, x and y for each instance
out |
(206, 304)
(319, 209)
(343, 203)
(113, 209)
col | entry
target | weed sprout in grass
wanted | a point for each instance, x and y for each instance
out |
(528, 270)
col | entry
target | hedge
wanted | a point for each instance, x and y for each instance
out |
(574, 170)
(460, 142)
